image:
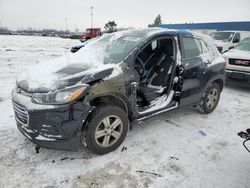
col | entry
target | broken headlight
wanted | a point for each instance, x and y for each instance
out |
(61, 96)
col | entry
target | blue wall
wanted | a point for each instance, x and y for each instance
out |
(240, 26)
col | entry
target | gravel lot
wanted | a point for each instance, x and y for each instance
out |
(182, 148)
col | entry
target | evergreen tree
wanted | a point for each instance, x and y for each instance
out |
(158, 20)
(110, 26)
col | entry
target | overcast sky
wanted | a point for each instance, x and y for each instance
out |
(17, 14)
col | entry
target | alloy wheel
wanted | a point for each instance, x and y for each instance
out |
(108, 131)
(212, 98)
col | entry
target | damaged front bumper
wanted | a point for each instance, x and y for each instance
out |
(50, 126)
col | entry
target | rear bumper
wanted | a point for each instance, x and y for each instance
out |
(50, 126)
(238, 77)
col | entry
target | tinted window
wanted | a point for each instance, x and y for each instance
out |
(192, 47)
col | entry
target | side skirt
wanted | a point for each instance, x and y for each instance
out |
(158, 112)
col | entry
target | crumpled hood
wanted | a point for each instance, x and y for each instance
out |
(98, 59)
(65, 71)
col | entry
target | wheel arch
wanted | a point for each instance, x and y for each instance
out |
(109, 99)
(112, 99)
(219, 79)
(220, 82)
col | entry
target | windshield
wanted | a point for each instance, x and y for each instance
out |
(88, 31)
(224, 36)
(112, 48)
(243, 45)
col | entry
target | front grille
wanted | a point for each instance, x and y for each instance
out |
(239, 62)
(21, 114)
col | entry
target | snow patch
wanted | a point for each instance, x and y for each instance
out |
(42, 138)
(159, 102)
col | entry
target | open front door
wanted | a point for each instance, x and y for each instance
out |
(156, 65)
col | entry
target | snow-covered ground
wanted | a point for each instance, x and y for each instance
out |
(182, 148)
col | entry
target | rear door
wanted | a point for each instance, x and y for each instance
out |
(194, 69)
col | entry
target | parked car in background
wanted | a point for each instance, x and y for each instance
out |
(65, 36)
(75, 36)
(90, 33)
(238, 63)
(77, 47)
(225, 40)
(94, 95)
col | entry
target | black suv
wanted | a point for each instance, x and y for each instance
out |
(93, 95)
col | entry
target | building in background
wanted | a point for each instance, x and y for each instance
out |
(207, 28)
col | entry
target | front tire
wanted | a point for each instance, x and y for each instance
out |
(107, 128)
(211, 98)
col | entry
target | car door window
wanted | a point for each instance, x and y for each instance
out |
(154, 45)
(192, 47)
(204, 47)
(207, 53)
(236, 38)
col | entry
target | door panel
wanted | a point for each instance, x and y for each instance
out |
(194, 70)
(193, 81)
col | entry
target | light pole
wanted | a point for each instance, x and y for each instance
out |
(91, 12)
(66, 25)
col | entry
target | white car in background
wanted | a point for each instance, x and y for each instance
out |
(238, 63)
(225, 40)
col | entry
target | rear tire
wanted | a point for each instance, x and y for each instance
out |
(107, 128)
(211, 98)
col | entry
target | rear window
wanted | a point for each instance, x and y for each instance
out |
(192, 47)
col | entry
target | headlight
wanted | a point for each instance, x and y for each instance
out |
(61, 96)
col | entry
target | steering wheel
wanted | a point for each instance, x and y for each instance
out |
(140, 67)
